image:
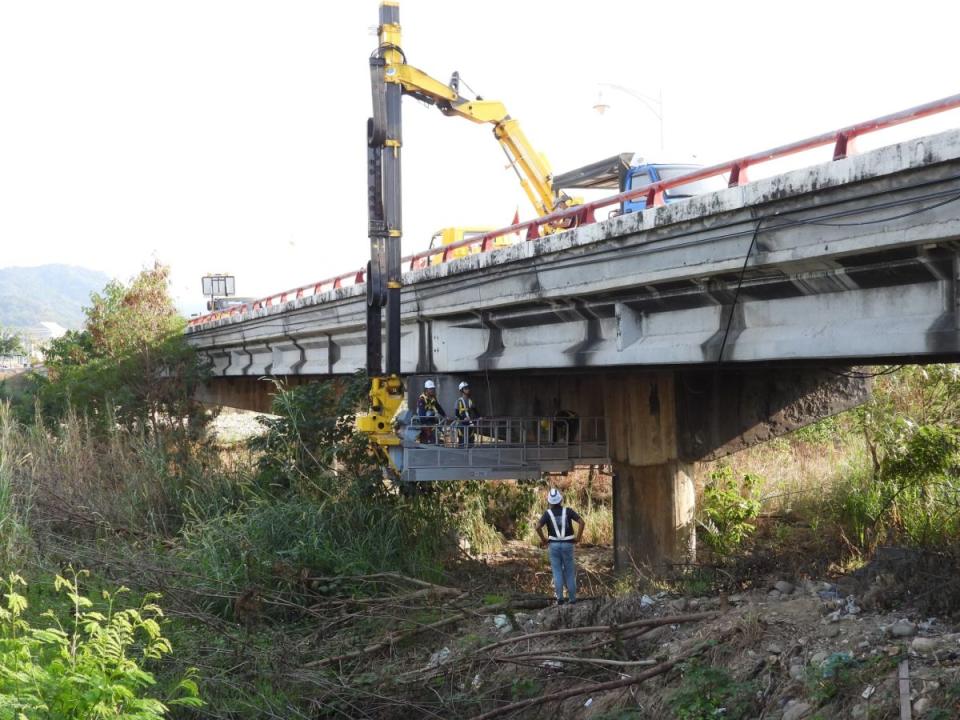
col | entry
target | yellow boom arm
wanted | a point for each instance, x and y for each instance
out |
(534, 173)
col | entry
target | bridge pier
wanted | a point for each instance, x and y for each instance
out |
(653, 490)
(653, 514)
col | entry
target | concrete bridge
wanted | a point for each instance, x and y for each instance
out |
(696, 328)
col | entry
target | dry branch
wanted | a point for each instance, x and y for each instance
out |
(524, 659)
(600, 687)
(400, 637)
(645, 622)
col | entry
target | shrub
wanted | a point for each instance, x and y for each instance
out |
(728, 508)
(129, 365)
(913, 494)
(707, 692)
(88, 665)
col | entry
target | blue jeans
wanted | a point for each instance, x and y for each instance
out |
(564, 569)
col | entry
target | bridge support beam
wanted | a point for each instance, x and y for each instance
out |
(653, 507)
(653, 491)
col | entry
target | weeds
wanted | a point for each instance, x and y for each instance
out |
(728, 510)
(15, 497)
(707, 692)
(87, 663)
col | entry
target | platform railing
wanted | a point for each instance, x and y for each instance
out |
(527, 445)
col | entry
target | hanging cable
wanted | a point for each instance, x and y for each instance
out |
(736, 294)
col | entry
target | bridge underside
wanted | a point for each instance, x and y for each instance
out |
(658, 424)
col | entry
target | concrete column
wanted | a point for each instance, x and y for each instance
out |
(653, 507)
(653, 493)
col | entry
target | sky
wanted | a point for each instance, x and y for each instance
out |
(230, 135)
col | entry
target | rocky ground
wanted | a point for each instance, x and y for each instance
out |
(786, 650)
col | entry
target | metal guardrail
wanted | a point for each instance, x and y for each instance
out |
(842, 140)
(503, 447)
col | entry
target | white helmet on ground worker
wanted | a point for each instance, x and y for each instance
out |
(463, 385)
(429, 385)
(554, 497)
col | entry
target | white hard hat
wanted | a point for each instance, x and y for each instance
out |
(429, 385)
(554, 497)
(463, 385)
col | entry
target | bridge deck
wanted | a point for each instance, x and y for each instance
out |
(853, 259)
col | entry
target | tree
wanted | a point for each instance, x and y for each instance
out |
(130, 364)
(11, 343)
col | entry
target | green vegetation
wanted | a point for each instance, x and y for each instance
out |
(11, 343)
(84, 663)
(910, 491)
(707, 692)
(728, 509)
(130, 365)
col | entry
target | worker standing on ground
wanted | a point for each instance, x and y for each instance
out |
(560, 539)
(429, 412)
(467, 414)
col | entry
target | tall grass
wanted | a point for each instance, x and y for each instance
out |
(282, 541)
(15, 495)
(75, 480)
(599, 525)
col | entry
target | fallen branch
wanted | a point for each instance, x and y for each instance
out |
(589, 646)
(524, 659)
(646, 622)
(425, 593)
(601, 687)
(399, 637)
(374, 577)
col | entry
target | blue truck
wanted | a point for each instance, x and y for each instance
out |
(627, 171)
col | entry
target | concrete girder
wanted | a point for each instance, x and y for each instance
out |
(846, 240)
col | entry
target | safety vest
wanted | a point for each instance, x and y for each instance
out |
(429, 404)
(557, 535)
(465, 408)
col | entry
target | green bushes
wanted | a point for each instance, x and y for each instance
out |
(318, 505)
(912, 498)
(707, 692)
(88, 664)
(130, 365)
(274, 541)
(728, 509)
(910, 494)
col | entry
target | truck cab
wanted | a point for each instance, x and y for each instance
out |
(628, 171)
(450, 235)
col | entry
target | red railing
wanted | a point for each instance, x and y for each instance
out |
(843, 141)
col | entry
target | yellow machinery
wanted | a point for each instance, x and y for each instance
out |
(531, 167)
(452, 235)
(391, 78)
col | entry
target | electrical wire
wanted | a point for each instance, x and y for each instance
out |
(736, 294)
(887, 219)
(864, 376)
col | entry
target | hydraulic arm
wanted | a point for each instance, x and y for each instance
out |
(391, 78)
(531, 168)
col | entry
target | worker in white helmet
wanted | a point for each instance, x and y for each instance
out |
(560, 539)
(467, 414)
(429, 412)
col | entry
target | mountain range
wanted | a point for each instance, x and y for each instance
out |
(47, 293)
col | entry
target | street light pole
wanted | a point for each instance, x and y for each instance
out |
(648, 102)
